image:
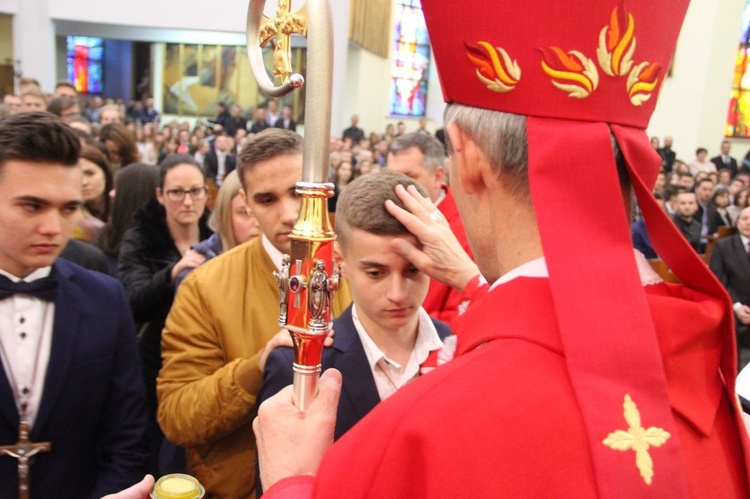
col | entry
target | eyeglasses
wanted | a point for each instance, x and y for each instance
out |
(179, 194)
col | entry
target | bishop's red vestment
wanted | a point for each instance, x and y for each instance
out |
(501, 419)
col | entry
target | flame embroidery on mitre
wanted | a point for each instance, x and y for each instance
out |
(494, 67)
(641, 82)
(571, 72)
(617, 44)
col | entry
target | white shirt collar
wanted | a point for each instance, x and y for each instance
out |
(440, 198)
(37, 274)
(538, 268)
(274, 254)
(534, 268)
(427, 341)
(745, 242)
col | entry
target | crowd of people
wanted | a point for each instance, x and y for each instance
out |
(701, 196)
(193, 220)
(159, 200)
(550, 362)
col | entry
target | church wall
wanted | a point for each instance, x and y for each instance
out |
(37, 22)
(367, 87)
(692, 107)
(8, 6)
(694, 101)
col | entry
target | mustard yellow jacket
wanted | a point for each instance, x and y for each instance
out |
(224, 312)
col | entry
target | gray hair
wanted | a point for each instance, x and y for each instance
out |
(430, 147)
(501, 137)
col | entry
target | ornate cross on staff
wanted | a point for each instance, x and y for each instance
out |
(24, 450)
(282, 27)
(309, 273)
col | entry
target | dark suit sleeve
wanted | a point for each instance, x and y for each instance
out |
(85, 255)
(719, 266)
(122, 446)
(210, 166)
(276, 376)
(443, 329)
(277, 373)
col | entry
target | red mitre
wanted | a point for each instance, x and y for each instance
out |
(578, 69)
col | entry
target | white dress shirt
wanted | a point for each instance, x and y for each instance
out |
(390, 375)
(221, 164)
(26, 335)
(274, 254)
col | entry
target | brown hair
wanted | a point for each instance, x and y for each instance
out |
(36, 92)
(120, 135)
(268, 144)
(38, 137)
(59, 104)
(362, 205)
(97, 157)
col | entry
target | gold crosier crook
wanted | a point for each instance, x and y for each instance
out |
(307, 279)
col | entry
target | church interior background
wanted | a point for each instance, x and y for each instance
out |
(189, 55)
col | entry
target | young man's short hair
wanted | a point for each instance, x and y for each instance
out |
(60, 104)
(362, 205)
(268, 144)
(36, 92)
(65, 83)
(671, 191)
(38, 137)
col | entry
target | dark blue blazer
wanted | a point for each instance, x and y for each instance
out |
(359, 395)
(93, 408)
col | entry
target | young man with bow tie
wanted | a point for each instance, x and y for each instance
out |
(72, 402)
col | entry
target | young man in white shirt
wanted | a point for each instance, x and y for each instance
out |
(385, 338)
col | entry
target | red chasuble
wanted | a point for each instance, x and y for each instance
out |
(501, 420)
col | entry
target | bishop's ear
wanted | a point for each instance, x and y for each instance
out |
(468, 163)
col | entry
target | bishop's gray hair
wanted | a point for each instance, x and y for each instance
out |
(501, 137)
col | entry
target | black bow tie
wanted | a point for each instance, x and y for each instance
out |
(44, 289)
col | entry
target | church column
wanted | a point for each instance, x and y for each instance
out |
(34, 42)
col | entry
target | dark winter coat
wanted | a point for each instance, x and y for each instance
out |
(147, 256)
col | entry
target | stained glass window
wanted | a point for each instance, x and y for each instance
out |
(738, 119)
(411, 61)
(85, 63)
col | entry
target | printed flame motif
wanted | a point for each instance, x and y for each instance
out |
(494, 67)
(641, 82)
(571, 72)
(617, 44)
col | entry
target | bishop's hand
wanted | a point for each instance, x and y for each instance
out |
(291, 442)
(441, 256)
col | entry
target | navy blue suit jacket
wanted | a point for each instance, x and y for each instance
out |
(359, 395)
(93, 407)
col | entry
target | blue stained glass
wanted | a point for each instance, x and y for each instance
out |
(411, 61)
(84, 63)
(745, 33)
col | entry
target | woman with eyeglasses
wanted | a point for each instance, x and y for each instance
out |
(153, 253)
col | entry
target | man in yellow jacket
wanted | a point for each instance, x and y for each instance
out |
(224, 323)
